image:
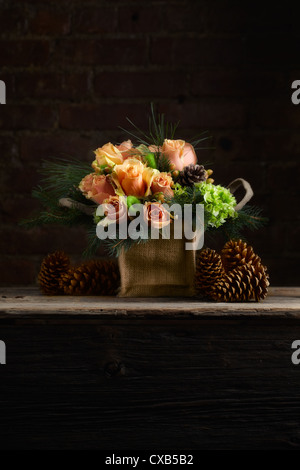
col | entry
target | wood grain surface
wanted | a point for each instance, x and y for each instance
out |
(117, 374)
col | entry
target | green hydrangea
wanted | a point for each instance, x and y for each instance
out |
(219, 203)
(183, 194)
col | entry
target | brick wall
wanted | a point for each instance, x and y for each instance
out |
(74, 70)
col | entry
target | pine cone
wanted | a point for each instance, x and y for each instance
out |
(244, 283)
(52, 267)
(192, 174)
(209, 271)
(92, 278)
(237, 253)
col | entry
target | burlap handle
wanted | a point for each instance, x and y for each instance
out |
(237, 183)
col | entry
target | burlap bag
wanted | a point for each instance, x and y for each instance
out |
(157, 268)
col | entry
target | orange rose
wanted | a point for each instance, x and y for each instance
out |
(133, 178)
(96, 187)
(162, 184)
(108, 155)
(156, 215)
(179, 153)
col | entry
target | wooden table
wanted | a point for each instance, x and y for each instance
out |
(118, 374)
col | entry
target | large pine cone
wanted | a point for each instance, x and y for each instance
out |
(237, 253)
(209, 271)
(52, 267)
(92, 278)
(192, 174)
(244, 283)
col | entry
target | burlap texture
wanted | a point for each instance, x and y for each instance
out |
(157, 268)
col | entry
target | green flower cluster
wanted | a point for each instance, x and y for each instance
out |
(218, 202)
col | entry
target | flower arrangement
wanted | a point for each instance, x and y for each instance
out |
(155, 173)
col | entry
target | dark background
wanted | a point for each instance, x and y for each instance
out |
(74, 70)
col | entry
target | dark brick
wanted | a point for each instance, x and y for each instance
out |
(282, 207)
(27, 117)
(293, 237)
(274, 114)
(225, 17)
(24, 53)
(94, 20)
(14, 207)
(8, 146)
(200, 52)
(102, 51)
(284, 177)
(102, 116)
(42, 240)
(273, 20)
(18, 270)
(139, 19)
(269, 50)
(76, 86)
(257, 144)
(63, 145)
(9, 80)
(161, 51)
(12, 20)
(229, 171)
(52, 85)
(267, 84)
(49, 22)
(38, 85)
(187, 17)
(24, 179)
(281, 145)
(197, 52)
(207, 114)
(138, 84)
(220, 82)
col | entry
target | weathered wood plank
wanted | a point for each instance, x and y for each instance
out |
(126, 384)
(109, 373)
(283, 302)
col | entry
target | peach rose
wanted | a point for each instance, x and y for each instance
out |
(133, 178)
(126, 149)
(156, 215)
(154, 148)
(162, 184)
(108, 155)
(115, 208)
(179, 153)
(96, 187)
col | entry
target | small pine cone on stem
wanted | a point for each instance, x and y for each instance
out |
(52, 268)
(209, 271)
(192, 174)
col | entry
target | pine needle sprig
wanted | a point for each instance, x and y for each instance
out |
(158, 130)
(162, 162)
(52, 213)
(198, 138)
(249, 217)
(63, 177)
(93, 243)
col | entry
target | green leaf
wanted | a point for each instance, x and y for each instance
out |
(151, 160)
